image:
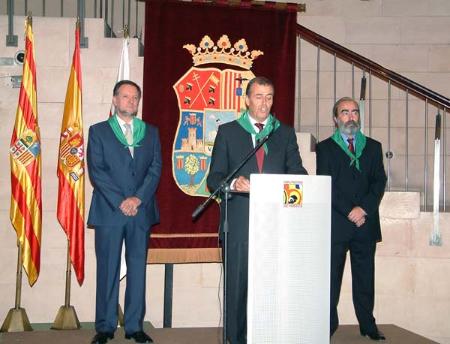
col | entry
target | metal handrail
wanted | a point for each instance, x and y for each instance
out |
(127, 11)
(429, 97)
(367, 65)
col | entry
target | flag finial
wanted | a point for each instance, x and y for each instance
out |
(29, 20)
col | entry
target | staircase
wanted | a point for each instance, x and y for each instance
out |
(399, 112)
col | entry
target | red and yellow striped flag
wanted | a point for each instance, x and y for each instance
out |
(25, 160)
(71, 166)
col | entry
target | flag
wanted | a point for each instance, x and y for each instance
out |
(70, 170)
(124, 67)
(25, 161)
(123, 74)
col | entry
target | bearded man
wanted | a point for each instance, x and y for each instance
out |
(355, 164)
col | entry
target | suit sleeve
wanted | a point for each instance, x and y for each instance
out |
(293, 160)
(219, 167)
(371, 201)
(99, 172)
(148, 187)
(324, 167)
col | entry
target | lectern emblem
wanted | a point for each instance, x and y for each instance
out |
(293, 194)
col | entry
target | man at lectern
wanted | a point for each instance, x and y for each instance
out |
(280, 155)
(355, 164)
(124, 162)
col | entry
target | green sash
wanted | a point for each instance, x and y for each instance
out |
(359, 147)
(138, 131)
(272, 124)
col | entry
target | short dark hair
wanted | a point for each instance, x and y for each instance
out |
(118, 85)
(259, 80)
(343, 99)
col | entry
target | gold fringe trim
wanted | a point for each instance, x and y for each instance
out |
(185, 235)
(184, 255)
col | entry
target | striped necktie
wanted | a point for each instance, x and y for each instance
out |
(260, 152)
(351, 147)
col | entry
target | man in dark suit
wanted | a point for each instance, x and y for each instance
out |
(279, 155)
(355, 164)
(124, 163)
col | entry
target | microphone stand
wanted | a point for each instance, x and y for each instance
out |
(224, 188)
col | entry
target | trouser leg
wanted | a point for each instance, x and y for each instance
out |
(136, 244)
(338, 255)
(108, 244)
(362, 256)
(237, 293)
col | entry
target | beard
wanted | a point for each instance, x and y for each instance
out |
(349, 128)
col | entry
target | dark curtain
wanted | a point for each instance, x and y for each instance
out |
(168, 26)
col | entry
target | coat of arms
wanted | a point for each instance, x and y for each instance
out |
(207, 98)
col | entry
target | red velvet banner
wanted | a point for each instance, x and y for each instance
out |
(169, 25)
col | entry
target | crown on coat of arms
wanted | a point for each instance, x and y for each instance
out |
(223, 52)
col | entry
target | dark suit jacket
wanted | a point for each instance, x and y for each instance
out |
(232, 144)
(115, 175)
(351, 188)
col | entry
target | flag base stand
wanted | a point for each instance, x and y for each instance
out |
(66, 319)
(16, 321)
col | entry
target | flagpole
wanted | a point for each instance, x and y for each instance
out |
(71, 222)
(66, 318)
(124, 71)
(17, 320)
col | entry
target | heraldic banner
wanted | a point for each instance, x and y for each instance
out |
(199, 58)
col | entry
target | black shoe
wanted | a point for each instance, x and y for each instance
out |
(139, 337)
(102, 337)
(377, 335)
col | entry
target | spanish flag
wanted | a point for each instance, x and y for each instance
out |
(70, 172)
(25, 160)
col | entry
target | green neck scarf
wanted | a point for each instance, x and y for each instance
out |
(138, 131)
(359, 147)
(272, 124)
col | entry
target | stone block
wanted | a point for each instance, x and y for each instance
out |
(436, 81)
(404, 8)
(395, 276)
(394, 310)
(396, 238)
(329, 26)
(52, 47)
(155, 294)
(373, 30)
(50, 119)
(400, 205)
(430, 316)
(52, 83)
(91, 77)
(424, 30)
(211, 275)
(188, 312)
(428, 279)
